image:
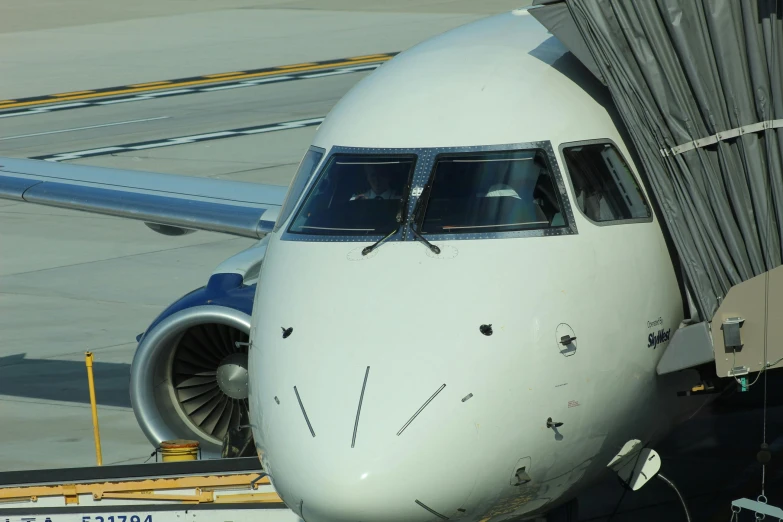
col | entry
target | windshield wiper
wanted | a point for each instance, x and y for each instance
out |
(366, 250)
(415, 217)
(417, 235)
(400, 218)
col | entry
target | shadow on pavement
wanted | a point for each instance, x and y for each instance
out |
(59, 380)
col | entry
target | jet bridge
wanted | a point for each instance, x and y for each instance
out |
(699, 88)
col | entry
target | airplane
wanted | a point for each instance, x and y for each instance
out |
(456, 309)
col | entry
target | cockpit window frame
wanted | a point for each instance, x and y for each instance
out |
(292, 189)
(290, 235)
(634, 173)
(423, 172)
(563, 200)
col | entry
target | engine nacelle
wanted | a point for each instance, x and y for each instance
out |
(189, 373)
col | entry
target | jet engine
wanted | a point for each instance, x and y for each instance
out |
(189, 374)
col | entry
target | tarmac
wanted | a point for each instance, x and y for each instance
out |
(72, 282)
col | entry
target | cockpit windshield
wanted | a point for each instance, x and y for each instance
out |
(357, 195)
(499, 191)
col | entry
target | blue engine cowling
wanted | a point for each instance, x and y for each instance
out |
(221, 290)
(189, 372)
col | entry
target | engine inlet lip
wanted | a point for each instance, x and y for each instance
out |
(149, 354)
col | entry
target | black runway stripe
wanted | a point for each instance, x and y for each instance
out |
(182, 140)
(190, 85)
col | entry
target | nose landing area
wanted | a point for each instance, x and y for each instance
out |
(422, 472)
(389, 503)
(360, 435)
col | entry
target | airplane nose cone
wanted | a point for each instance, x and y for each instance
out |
(390, 494)
(373, 445)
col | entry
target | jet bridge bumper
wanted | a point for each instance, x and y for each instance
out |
(230, 489)
(747, 328)
(742, 337)
(690, 346)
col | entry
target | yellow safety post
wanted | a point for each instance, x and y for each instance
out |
(94, 406)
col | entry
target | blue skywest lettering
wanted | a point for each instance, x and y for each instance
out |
(660, 337)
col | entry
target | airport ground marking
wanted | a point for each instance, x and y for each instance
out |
(112, 124)
(181, 140)
(178, 92)
(194, 84)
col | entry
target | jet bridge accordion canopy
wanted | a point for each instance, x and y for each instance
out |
(699, 86)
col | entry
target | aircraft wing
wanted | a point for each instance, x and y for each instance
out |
(232, 207)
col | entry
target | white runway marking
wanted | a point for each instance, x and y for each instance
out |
(83, 128)
(238, 83)
(182, 140)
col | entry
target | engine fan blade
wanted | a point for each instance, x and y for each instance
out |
(211, 421)
(190, 380)
(201, 414)
(195, 397)
(198, 341)
(226, 346)
(194, 377)
(216, 343)
(224, 421)
(196, 355)
(184, 369)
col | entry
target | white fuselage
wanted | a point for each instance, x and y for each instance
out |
(390, 329)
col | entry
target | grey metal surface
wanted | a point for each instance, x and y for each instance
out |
(232, 376)
(231, 192)
(232, 207)
(14, 188)
(759, 506)
(680, 71)
(690, 346)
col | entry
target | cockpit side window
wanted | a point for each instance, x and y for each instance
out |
(604, 187)
(357, 195)
(499, 191)
(306, 168)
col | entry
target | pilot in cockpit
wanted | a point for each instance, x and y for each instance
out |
(379, 185)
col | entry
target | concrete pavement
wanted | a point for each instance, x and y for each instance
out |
(72, 282)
